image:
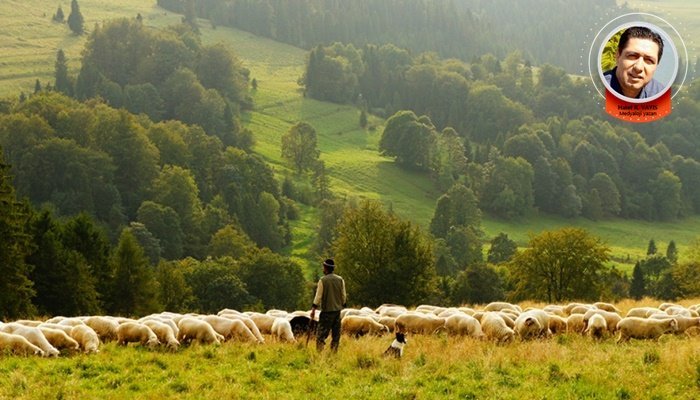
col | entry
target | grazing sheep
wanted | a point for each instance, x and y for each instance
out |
(55, 320)
(467, 310)
(684, 323)
(416, 322)
(28, 322)
(449, 312)
(611, 319)
(582, 309)
(163, 332)
(391, 310)
(463, 325)
(263, 322)
(34, 335)
(664, 306)
(358, 325)
(64, 328)
(495, 328)
(106, 328)
(164, 320)
(678, 310)
(59, 339)
(71, 322)
(249, 323)
(607, 307)
(86, 337)
(569, 307)
(557, 324)
(17, 344)
(277, 313)
(389, 322)
(196, 329)
(527, 326)
(640, 328)
(642, 312)
(597, 326)
(574, 323)
(508, 318)
(282, 330)
(501, 305)
(555, 310)
(230, 328)
(532, 324)
(133, 332)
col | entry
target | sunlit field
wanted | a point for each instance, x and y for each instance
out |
(567, 366)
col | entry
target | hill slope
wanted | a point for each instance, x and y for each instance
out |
(350, 153)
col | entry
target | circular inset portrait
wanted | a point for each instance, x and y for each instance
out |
(638, 62)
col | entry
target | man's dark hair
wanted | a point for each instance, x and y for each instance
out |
(640, 32)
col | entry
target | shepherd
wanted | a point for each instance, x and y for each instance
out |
(331, 298)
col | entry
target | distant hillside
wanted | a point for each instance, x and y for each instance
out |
(546, 31)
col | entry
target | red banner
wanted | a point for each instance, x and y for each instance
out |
(638, 112)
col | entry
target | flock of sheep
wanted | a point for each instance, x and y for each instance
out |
(498, 321)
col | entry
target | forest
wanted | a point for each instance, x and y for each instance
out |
(133, 185)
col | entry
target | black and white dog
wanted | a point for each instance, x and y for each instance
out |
(396, 348)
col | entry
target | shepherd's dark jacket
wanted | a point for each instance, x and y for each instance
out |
(330, 293)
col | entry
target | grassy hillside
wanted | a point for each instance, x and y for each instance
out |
(30, 41)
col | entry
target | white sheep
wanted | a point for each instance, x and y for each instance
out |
(59, 339)
(611, 319)
(416, 322)
(640, 328)
(501, 306)
(463, 325)
(574, 323)
(596, 327)
(195, 329)
(557, 324)
(263, 322)
(230, 328)
(359, 325)
(34, 335)
(250, 324)
(532, 324)
(133, 332)
(642, 312)
(164, 333)
(86, 337)
(282, 330)
(64, 328)
(18, 345)
(389, 322)
(606, 307)
(106, 328)
(684, 323)
(495, 328)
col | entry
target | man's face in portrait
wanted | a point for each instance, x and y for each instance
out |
(636, 64)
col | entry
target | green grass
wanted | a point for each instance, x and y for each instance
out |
(564, 367)
(356, 169)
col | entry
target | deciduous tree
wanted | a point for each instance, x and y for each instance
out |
(560, 265)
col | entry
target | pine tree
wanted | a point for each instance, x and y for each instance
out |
(37, 86)
(637, 290)
(63, 83)
(135, 289)
(651, 248)
(672, 252)
(59, 17)
(363, 119)
(254, 84)
(75, 19)
(16, 290)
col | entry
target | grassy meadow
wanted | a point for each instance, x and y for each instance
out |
(566, 366)
(30, 41)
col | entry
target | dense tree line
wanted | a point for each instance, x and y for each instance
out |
(164, 74)
(181, 184)
(521, 141)
(461, 29)
(69, 266)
